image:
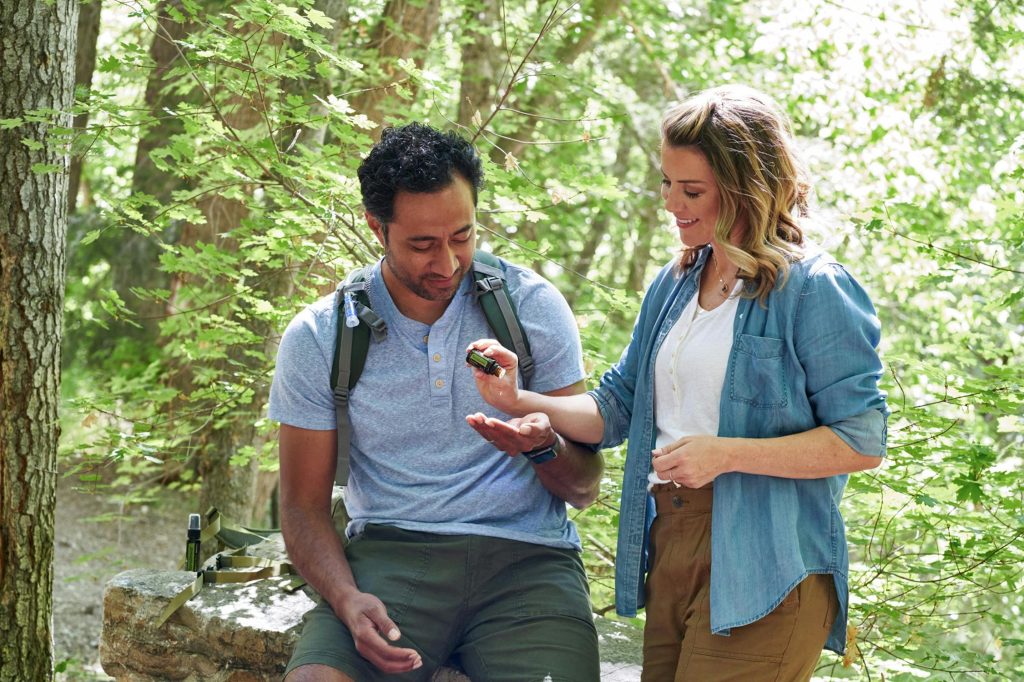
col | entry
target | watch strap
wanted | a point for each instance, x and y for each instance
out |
(544, 453)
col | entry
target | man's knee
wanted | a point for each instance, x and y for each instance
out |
(317, 673)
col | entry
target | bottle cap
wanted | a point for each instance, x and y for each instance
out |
(193, 527)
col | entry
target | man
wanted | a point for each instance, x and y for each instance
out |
(458, 550)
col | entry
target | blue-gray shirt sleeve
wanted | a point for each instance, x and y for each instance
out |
(300, 394)
(551, 329)
(836, 334)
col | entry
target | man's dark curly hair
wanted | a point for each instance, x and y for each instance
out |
(415, 158)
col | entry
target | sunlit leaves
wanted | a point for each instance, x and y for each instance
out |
(909, 113)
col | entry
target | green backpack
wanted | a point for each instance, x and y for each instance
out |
(352, 343)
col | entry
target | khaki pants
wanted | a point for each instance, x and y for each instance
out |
(678, 645)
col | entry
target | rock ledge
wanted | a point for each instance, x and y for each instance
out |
(246, 632)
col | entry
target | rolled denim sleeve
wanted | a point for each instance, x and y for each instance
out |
(615, 415)
(836, 334)
(861, 432)
(616, 394)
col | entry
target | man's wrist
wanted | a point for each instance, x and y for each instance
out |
(546, 453)
(340, 596)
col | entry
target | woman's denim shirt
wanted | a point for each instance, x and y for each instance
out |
(805, 359)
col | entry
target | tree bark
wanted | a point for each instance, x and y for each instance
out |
(165, 54)
(85, 64)
(481, 60)
(600, 225)
(312, 136)
(229, 488)
(404, 31)
(135, 259)
(37, 58)
(599, 13)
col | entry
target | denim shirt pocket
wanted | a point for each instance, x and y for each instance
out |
(757, 374)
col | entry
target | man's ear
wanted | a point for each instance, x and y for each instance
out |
(376, 226)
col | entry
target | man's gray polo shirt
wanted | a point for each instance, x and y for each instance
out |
(416, 464)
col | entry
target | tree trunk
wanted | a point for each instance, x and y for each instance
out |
(599, 226)
(230, 488)
(404, 31)
(646, 227)
(85, 64)
(541, 100)
(649, 213)
(135, 262)
(37, 57)
(165, 53)
(481, 60)
(312, 136)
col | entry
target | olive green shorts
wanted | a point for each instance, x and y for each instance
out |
(498, 609)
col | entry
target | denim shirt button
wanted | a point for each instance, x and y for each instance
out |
(677, 501)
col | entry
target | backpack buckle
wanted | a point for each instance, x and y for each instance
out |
(486, 285)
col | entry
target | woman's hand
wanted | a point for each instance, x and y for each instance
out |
(500, 392)
(692, 461)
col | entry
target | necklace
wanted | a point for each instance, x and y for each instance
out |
(724, 290)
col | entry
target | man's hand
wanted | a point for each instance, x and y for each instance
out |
(499, 392)
(373, 632)
(517, 435)
(692, 461)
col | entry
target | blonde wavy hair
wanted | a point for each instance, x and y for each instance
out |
(748, 143)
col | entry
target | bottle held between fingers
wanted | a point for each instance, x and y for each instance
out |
(475, 358)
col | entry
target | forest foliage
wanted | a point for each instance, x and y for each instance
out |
(217, 145)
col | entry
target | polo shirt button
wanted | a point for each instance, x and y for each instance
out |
(677, 501)
(437, 357)
(439, 383)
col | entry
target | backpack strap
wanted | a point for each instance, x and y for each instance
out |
(356, 321)
(352, 343)
(491, 291)
(233, 566)
(230, 535)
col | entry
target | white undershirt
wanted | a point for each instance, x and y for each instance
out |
(689, 372)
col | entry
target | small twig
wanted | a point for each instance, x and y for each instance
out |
(548, 24)
(548, 259)
(951, 399)
(949, 252)
(555, 118)
(926, 438)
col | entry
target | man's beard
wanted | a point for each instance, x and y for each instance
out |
(421, 286)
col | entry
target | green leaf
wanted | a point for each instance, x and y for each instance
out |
(263, 307)
(90, 237)
(46, 168)
(318, 18)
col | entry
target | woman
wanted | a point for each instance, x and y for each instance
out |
(748, 392)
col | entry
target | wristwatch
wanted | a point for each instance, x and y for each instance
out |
(545, 453)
